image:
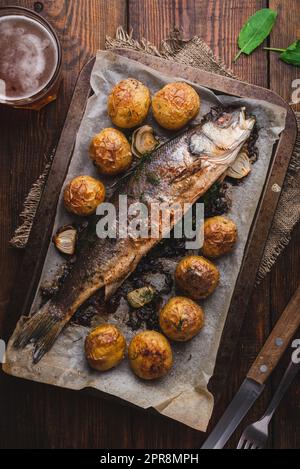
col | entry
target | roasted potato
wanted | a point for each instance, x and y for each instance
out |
(197, 277)
(129, 103)
(111, 152)
(83, 194)
(105, 347)
(150, 355)
(175, 105)
(220, 236)
(181, 319)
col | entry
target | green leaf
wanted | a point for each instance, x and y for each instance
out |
(255, 31)
(292, 54)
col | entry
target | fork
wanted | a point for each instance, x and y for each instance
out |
(256, 436)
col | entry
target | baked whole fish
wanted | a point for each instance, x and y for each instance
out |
(184, 169)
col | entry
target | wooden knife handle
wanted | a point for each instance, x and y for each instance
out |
(277, 342)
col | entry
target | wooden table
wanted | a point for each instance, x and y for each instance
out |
(39, 416)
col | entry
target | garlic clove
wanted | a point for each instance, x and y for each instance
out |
(143, 141)
(65, 240)
(241, 167)
(141, 297)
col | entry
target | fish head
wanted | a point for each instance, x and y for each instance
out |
(230, 129)
(222, 134)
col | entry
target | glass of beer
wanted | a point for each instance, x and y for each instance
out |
(30, 59)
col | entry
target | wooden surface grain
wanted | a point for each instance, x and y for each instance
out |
(35, 415)
(270, 355)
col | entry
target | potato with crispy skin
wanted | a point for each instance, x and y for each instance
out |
(181, 319)
(220, 236)
(128, 103)
(105, 347)
(175, 105)
(83, 194)
(150, 355)
(197, 277)
(111, 152)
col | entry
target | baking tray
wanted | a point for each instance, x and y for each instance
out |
(31, 268)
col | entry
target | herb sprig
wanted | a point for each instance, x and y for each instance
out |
(290, 55)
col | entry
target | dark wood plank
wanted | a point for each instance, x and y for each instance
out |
(219, 25)
(153, 20)
(286, 273)
(285, 279)
(282, 75)
(253, 334)
(216, 21)
(33, 415)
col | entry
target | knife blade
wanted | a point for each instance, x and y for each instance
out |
(246, 396)
(254, 384)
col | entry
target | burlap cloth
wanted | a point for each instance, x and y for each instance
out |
(195, 53)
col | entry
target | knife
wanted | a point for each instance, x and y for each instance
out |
(254, 384)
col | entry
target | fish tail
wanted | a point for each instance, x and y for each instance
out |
(42, 329)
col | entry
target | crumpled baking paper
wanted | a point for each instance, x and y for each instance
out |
(183, 394)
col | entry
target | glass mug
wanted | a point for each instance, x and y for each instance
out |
(30, 59)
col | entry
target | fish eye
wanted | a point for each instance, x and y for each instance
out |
(224, 120)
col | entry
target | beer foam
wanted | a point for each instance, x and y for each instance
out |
(23, 59)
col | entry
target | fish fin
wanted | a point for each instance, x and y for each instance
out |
(42, 329)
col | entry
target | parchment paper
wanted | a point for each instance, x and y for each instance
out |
(183, 394)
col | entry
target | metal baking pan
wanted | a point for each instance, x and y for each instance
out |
(30, 270)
